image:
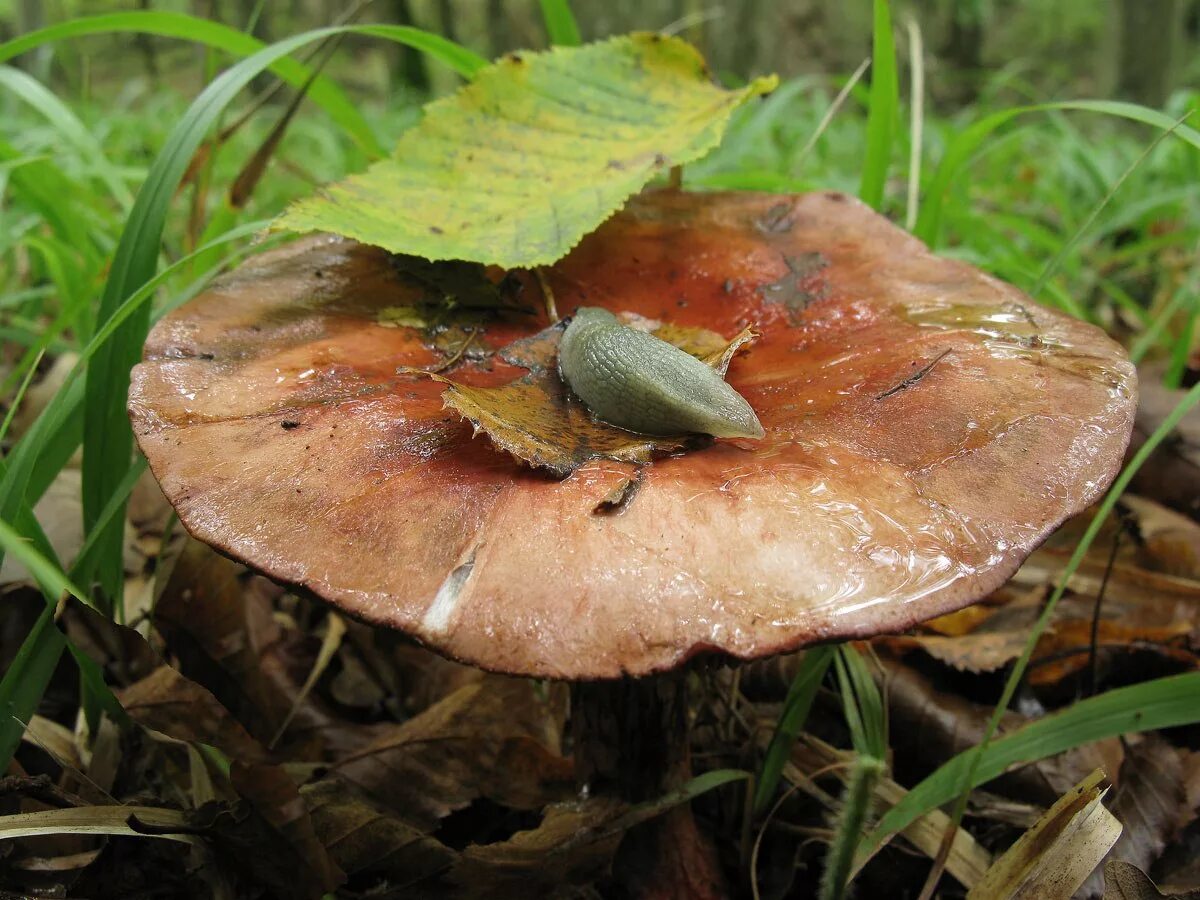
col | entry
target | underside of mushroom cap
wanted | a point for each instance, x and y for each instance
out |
(927, 426)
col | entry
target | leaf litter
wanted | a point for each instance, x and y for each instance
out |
(467, 790)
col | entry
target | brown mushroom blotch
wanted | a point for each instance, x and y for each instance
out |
(927, 427)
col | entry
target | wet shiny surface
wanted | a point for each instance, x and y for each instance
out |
(927, 426)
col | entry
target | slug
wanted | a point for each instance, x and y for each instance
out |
(638, 382)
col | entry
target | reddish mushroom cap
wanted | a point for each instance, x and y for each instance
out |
(927, 427)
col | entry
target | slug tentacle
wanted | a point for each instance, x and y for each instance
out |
(635, 381)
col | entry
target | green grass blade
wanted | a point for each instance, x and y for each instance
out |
(15, 403)
(66, 123)
(85, 562)
(25, 682)
(968, 141)
(325, 93)
(1182, 348)
(801, 694)
(862, 703)
(108, 442)
(561, 27)
(1160, 703)
(885, 99)
(52, 580)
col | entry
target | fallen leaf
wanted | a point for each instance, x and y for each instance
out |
(223, 629)
(300, 859)
(365, 838)
(168, 702)
(497, 739)
(534, 153)
(539, 421)
(1149, 802)
(1125, 881)
(1052, 859)
(574, 844)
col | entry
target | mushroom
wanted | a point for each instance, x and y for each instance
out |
(927, 426)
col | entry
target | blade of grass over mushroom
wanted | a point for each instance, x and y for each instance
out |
(885, 101)
(108, 441)
(968, 142)
(800, 696)
(536, 420)
(561, 27)
(533, 154)
(1125, 709)
(54, 435)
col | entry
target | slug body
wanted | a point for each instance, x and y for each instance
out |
(638, 382)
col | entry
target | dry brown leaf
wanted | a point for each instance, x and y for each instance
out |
(498, 738)
(267, 836)
(364, 838)
(537, 420)
(1053, 858)
(1149, 802)
(574, 844)
(167, 701)
(1125, 881)
(224, 632)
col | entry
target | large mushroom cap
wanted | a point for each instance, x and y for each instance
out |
(927, 427)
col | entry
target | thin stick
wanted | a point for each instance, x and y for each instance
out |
(832, 111)
(457, 355)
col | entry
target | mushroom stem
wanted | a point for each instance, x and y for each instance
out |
(632, 741)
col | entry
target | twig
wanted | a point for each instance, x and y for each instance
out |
(915, 377)
(1093, 658)
(457, 355)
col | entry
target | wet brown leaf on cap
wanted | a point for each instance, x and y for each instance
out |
(537, 420)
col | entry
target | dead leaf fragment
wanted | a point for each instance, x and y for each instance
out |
(539, 421)
(363, 837)
(1053, 858)
(1125, 881)
(496, 738)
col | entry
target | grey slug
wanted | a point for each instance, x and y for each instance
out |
(638, 382)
